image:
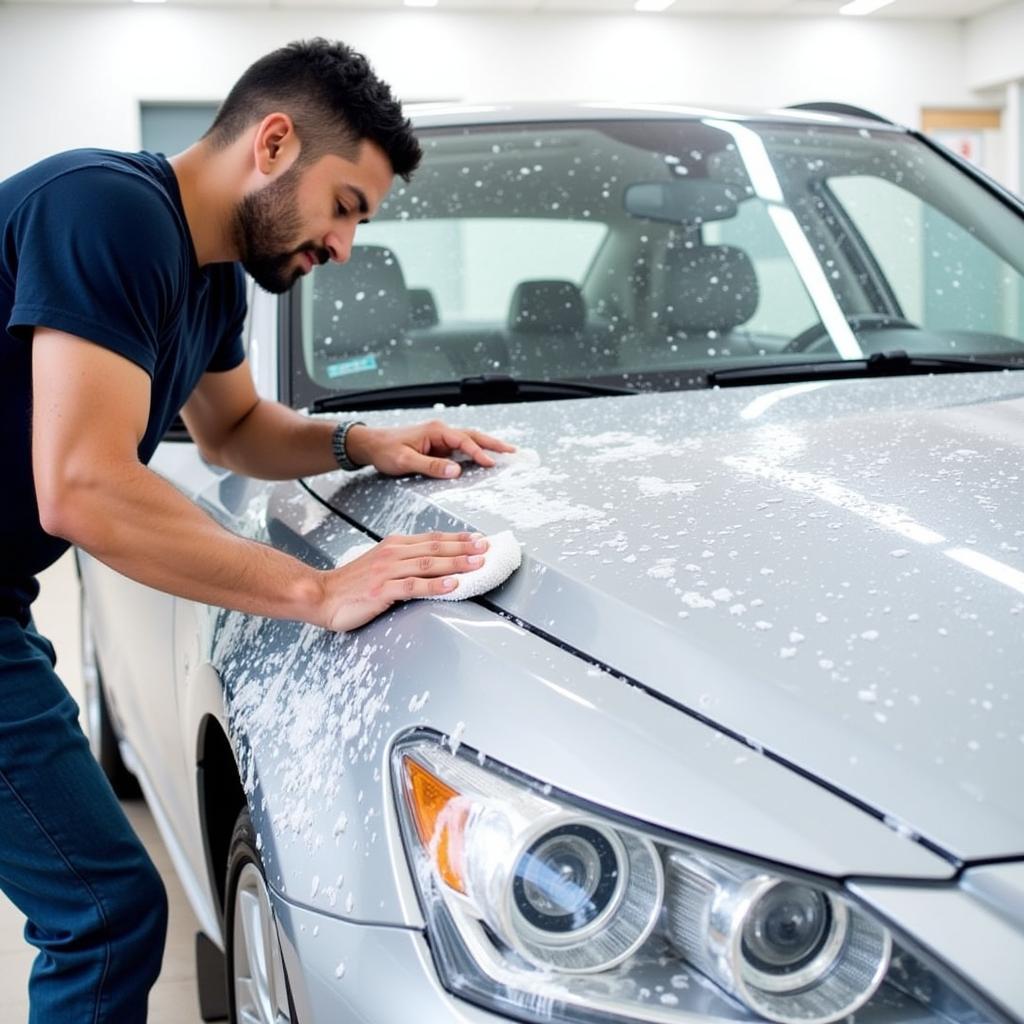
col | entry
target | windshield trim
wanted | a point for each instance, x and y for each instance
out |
(995, 188)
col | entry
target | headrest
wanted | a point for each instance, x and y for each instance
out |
(711, 288)
(546, 307)
(359, 303)
(422, 308)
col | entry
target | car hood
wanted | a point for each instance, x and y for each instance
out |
(832, 572)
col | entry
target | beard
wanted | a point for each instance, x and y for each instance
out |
(266, 222)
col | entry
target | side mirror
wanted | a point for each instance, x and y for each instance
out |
(682, 202)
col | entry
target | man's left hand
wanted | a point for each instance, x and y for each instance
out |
(425, 448)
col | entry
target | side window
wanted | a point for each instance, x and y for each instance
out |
(943, 277)
(784, 308)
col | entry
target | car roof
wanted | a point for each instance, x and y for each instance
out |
(447, 115)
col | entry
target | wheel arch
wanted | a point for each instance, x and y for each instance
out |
(220, 797)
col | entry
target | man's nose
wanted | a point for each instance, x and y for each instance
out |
(339, 245)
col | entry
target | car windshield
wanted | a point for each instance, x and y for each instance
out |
(647, 253)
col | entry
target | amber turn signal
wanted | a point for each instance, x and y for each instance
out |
(440, 815)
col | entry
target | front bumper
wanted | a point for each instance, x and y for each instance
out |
(387, 974)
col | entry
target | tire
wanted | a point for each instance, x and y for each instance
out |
(98, 725)
(258, 990)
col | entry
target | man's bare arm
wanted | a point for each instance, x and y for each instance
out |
(238, 430)
(90, 409)
(235, 428)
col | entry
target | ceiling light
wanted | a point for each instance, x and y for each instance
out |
(864, 6)
(653, 5)
(420, 3)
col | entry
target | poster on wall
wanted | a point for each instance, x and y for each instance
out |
(964, 142)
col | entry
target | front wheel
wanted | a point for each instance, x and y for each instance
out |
(258, 990)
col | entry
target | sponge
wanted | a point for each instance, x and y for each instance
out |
(501, 559)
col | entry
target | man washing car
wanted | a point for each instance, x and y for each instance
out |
(122, 302)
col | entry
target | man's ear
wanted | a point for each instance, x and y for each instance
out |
(275, 144)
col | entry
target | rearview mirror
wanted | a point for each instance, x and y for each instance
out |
(682, 202)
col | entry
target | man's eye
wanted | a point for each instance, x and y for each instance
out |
(339, 210)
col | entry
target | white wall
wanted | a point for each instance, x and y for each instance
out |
(994, 61)
(74, 76)
(994, 47)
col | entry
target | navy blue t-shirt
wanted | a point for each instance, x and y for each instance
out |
(96, 244)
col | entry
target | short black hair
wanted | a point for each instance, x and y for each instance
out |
(333, 97)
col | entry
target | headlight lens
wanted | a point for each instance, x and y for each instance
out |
(545, 911)
(583, 898)
(568, 879)
(789, 951)
(786, 929)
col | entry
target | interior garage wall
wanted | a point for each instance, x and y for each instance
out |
(73, 76)
(994, 61)
(994, 47)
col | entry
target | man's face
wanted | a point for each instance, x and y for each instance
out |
(308, 215)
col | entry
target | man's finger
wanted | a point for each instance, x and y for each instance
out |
(404, 590)
(435, 536)
(463, 441)
(443, 549)
(431, 465)
(428, 566)
(486, 441)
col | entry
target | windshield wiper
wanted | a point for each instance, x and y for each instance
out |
(487, 389)
(880, 364)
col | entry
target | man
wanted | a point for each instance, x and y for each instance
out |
(121, 302)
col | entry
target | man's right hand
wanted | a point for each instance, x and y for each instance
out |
(397, 569)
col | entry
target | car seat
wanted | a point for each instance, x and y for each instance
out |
(361, 317)
(709, 288)
(547, 330)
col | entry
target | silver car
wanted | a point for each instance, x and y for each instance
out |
(743, 737)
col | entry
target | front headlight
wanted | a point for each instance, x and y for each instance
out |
(544, 910)
(790, 951)
(566, 893)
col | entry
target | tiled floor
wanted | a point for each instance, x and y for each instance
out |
(173, 1000)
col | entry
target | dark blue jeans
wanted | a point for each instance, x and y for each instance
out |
(69, 860)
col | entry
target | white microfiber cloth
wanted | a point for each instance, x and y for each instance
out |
(501, 559)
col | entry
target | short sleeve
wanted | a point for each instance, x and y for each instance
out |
(230, 350)
(98, 257)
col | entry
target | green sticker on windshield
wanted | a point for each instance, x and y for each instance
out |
(362, 364)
